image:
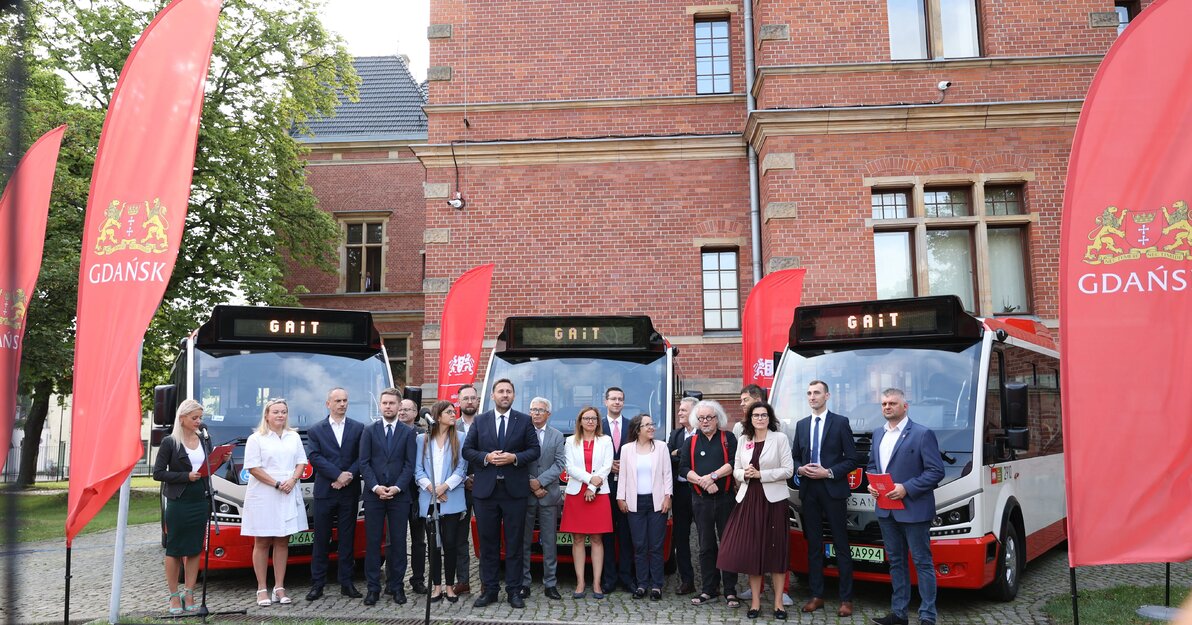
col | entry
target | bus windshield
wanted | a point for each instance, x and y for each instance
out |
(572, 383)
(939, 385)
(233, 385)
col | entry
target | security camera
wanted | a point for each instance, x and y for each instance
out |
(456, 202)
(944, 84)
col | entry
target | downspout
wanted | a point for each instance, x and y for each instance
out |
(755, 214)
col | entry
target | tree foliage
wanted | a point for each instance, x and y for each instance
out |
(273, 67)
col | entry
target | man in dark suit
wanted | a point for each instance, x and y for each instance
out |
(500, 447)
(387, 453)
(546, 498)
(824, 455)
(681, 508)
(910, 454)
(333, 448)
(618, 544)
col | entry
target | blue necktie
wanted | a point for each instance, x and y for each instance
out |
(389, 435)
(501, 434)
(815, 433)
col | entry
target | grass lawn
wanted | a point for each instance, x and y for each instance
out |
(43, 516)
(1118, 605)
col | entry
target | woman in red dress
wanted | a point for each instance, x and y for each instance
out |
(587, 512)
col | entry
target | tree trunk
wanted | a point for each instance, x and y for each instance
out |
(33, 427)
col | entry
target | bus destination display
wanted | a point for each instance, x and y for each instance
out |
(905, 318)
(291, 328)
(547, 333)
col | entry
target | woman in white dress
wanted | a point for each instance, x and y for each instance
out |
(273, 507)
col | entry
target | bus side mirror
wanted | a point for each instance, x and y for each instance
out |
(1019, 438)
(1015, 415)
(165, 402)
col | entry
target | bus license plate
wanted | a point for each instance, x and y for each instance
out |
(302, 538)
(861, 501)
(564, 538)
(861, 553)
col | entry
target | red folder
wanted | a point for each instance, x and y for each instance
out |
(218, 456)
(883, 484)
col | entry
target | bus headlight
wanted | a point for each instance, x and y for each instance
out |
(956, 516)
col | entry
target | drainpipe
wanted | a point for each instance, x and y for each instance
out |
(755, 214)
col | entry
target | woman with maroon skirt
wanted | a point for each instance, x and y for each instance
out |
(755, 537)
(587, 512)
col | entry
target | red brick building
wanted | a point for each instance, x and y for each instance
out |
(602, 149)
(363, 171)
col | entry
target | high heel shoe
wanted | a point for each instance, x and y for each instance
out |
(279, 596)
(450, 595)
(267, 601)
(169, 598)
(436, 596)
(193, 607)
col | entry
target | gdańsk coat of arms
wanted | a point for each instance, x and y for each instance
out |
(139, 226)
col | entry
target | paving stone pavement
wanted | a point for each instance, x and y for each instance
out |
(40, 586)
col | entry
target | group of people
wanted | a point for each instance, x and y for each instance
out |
(622, 483)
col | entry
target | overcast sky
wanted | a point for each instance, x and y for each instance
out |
(379, 27)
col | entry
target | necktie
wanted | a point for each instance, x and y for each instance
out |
(501, 434)
(615, 426)
(389, 435)
(815, 443)
(541, 436)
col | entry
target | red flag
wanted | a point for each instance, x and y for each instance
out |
(462, 330)
(135, 215)
(767, 322)
(1126, 343)
(24, 207)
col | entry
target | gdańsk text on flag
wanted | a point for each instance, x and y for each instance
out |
(462, 330)
(766, 323)
(1125, 303)
(24, 207)
(135, 215)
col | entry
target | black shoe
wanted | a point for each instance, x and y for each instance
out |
(524, 592)
(685, 588)
(780, 615)
(349, 590)
(639, 593)
(485, 599)
(418, 587)
(890, 619)
(552, 593)
(752, 613)
(371, 597)
(435, 598)
(316, 592)
(656, 594)
(399, 596)
(516, 601)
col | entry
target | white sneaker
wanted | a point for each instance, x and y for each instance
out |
(786, 599)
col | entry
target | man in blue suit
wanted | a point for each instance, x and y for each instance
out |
(910, 453)
(824, 455)
(387, 454)
(333, 448)
(618, 544)
(500, 447)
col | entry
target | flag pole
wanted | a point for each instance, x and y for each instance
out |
(118, 560)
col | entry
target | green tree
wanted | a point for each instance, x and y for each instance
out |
(273, 67)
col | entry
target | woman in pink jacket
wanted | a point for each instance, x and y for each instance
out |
(644, 493)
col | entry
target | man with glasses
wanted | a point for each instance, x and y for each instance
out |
(408, 414)
(706, 460)
(546, 498)
(824, 455)
(469, 405)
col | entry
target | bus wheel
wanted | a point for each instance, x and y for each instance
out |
(1009, 566)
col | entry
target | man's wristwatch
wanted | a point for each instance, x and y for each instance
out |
(830, 475)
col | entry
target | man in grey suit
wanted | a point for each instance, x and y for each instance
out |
(546, 497)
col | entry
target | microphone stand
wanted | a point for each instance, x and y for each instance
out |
(433, 521)
(205, 441)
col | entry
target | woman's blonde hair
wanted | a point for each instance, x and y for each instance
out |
(263, 426)
(187, 407)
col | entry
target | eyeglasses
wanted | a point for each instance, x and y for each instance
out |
(590, 419)
(406, 410)
(706, 417)
(537, 410)
(468, 399)
(647, 425)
